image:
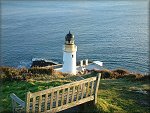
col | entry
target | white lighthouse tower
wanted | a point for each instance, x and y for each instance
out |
(69, 55)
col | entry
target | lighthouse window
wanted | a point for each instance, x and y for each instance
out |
(72, 56)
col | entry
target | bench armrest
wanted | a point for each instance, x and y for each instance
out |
(17, 100)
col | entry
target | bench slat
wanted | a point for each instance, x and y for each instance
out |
(40, 103)
(68, 95)
(92, 88)
(57, 98)
(87, 89)
(33, 105)
(62, 99)
(82, 94)
(46, 101)
(73, 94)
(78, 92)
(27, 102)
(51, 105)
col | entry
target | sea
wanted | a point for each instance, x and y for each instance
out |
(111, 31)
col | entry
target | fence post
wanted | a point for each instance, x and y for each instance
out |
(27, 107)
(96, 87)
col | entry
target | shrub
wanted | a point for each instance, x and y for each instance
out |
(9, 73)
(130, 76)
(140, 77)
(121, 71)
(23, 71)
(105, 73)
(38, 70)
(137, 77)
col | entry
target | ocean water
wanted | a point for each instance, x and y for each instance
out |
(114, 32)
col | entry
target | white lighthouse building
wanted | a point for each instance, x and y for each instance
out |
(69, 55)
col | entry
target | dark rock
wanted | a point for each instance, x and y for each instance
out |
(42, 63)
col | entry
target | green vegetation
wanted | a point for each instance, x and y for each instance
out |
(122, 96)
(119, 90)
(20, 88)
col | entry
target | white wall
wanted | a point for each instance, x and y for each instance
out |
(69, 62)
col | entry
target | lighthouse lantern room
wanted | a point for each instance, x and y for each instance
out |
(69, 55)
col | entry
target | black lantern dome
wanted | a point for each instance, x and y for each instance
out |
(69, 39)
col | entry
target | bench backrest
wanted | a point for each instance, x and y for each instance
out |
(62, 97)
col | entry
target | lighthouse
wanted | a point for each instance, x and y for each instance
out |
(69, 55)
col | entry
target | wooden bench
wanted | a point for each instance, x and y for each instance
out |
(58, 98)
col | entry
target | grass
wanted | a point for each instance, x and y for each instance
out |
(120, 96)
(118, 92)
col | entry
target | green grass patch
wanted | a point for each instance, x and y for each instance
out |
(116, 95)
